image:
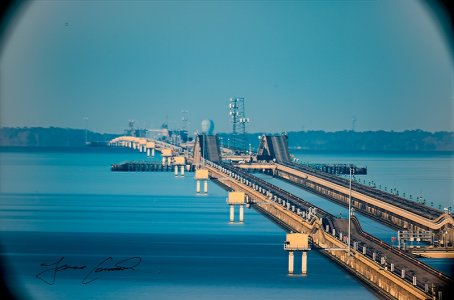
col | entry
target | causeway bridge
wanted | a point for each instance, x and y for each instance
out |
(384, 207)
(392, 273)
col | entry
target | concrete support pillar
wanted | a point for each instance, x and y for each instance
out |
(148, 152)
(182, 170)
(340, 236)
(176, 170)
(402, 274)
(414, 280)
(140, 148)
(426, 287)
(392, 267)
(152, 151)
(164, 161)
(374, 256)
(197, 186)
(304, 263)
(290, 262)
(334, 232)
(205, 186)
(169, 160)
(241, 213)
(327, 228)
(232, 213)
(364, 250)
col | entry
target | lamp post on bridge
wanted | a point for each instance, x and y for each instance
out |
(352, 171)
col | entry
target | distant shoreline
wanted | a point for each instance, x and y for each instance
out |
(410, 141)
(88, 149)
(63, 149)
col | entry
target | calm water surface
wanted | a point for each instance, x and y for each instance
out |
(69, 204)
(432, 173)
(426, 175)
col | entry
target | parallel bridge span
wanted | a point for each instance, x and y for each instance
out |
(390, 272)
(371, 260)
(394, 211)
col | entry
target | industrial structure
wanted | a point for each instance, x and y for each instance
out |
(392, 272)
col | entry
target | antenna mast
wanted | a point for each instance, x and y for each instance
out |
(239, 121)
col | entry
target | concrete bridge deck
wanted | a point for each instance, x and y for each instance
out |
(274, 202)
(417, 208)
(380, 265)
(385, 207)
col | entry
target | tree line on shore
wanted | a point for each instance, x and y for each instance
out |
(366, 141)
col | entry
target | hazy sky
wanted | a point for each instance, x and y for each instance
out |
(299, 64)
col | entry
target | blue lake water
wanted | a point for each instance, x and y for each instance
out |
(69, 204)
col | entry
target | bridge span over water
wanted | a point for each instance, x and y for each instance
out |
(392, 273)
(387, 208)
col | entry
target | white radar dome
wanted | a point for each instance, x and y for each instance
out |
(207, 127)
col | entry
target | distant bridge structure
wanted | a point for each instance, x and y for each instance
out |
(392, 273)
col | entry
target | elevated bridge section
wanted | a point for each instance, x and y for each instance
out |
(206, 147)
(274, 148)
(392, 273)
(384, 207)
(142, 144)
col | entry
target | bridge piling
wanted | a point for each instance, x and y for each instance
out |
(241, 213)
(304, 263)
(201, 175)
(297, 242)
(290, 262)
(236, 198)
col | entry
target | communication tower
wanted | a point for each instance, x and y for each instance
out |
(239, 120)
(131, 131)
